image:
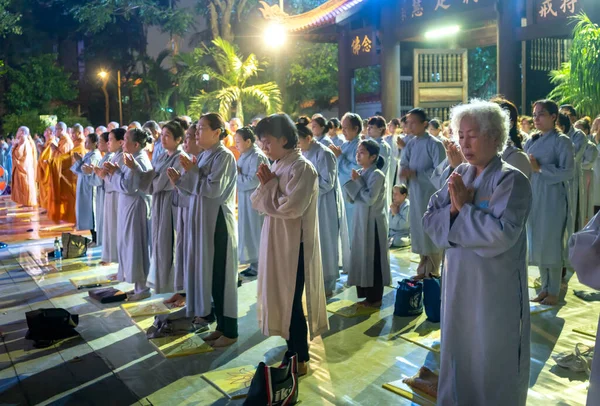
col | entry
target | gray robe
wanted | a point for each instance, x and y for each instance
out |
(324, 162)
(181, 200)
(485, 346)
(346, 163)
(211, 185)
(584, 253)
(517, 158)
(85, 201)
(111, 210)
(250, 221)
(98, 182)
(547, 224)
(133, 220)
(164, 215)
(422, 155)
(576, 183)
(368, 195)
(596, 189)
(388, 167)
(325, 140)
(400, 224)
(586, 184)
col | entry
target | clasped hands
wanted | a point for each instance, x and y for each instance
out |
(535, 165)
(337, 151)
(264, 174)
(459, 193)
(454, 154)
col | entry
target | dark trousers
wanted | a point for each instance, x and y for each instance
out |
(93, 232)
(226, 325)
(374, 293)
(596, 210)
(298, 341)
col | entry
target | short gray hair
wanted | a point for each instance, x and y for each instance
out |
(152, 126)
(62, 125)
(493, 120)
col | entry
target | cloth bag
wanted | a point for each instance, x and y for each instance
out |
(275, 386)
(409, 298)
(107, 295)
(432, 299)
(74, 246)
(48, 325)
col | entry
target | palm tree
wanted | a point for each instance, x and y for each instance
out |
(234, 77)
(578, 81)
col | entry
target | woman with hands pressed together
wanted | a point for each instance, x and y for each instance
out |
(98, 183)
(479, 218)
(290, 252)
(211, 257)
(133, 239)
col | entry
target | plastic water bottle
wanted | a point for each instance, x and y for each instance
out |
(57, 250)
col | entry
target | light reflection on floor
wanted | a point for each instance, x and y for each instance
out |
(113, 363)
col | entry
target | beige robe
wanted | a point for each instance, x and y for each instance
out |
(289, 203)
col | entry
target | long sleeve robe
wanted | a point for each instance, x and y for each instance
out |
(111, 215)
(596, 188)
(325, 140)
(517, 158)
(250, 221)
(421, 155)
(579, 141)
(485, 346)
(64, 182)
(370, 213)
(586, 184)
(212, 185)
(24, 188)
(98, 183)
(289, 202)
(85, 204)
(388, 165)
(550, 214)
(337, 140)
(181, 200)
(133, 220)
(346, 163)
(43, 175)
(400, 224)
(584, 253)
(327, 208)
(164, 218)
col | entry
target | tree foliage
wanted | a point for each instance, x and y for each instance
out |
(482, 72)
(34, 85)
(578, 81)
(237, 83)
(9, 20)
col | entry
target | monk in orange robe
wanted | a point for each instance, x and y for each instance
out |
(60, 176)
(229, 140)
(43, 171)
(24, 191)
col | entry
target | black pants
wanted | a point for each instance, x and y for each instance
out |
(298, 341)
(226, 325)
(374, 293)
(596, 210)
(94, 238)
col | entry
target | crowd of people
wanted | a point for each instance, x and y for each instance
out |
(478, 198)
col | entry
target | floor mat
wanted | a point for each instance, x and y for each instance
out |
(348, 308)
(233, 383)
(402, 389)
(189, 344)
(150, 308)
(589, 330)
(94, 281)
(428, 339)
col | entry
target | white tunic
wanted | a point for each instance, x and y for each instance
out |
(421, 155)
(133, 220)
(368, 195)
(485, 346)
(163, 217)
(85, 202)
(289, 202)
(98, 182)
(211, 185)
(111, 221)
(250, 222)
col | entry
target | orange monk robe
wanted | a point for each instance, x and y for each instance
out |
(24, 189)
(229, 142)
(58, 183)
(43, 174)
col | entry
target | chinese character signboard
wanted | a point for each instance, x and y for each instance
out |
(548, 10)
(423, 9)
(364, 50)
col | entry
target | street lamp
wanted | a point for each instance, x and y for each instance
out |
(274, 35)
(104, 76)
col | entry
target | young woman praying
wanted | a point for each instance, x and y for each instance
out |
(376, 128)
(250, 221)
(211, 257)
(399, 235)
(320, 129)
(370, 261)
(98, 183)
(290, 252)
(133, 212)
(85, 203)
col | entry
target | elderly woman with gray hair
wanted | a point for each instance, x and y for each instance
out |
(479, 218)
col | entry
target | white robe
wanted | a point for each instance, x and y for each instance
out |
(111, 209)
(85, 201)
(485, 346)
(250, 221)
(368, 195)
(289, 203)
(98, 182)
(584, 254)
(211, 185)
(422, 155)
(163, 216)
(133, 220)
(550, 213)
(329, 218)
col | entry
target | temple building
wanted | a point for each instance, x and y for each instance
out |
(423, 46)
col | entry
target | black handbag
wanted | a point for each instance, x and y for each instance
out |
(48, 325)
(275, 386)
(409, 298)
(432, 299)
(74, 246)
